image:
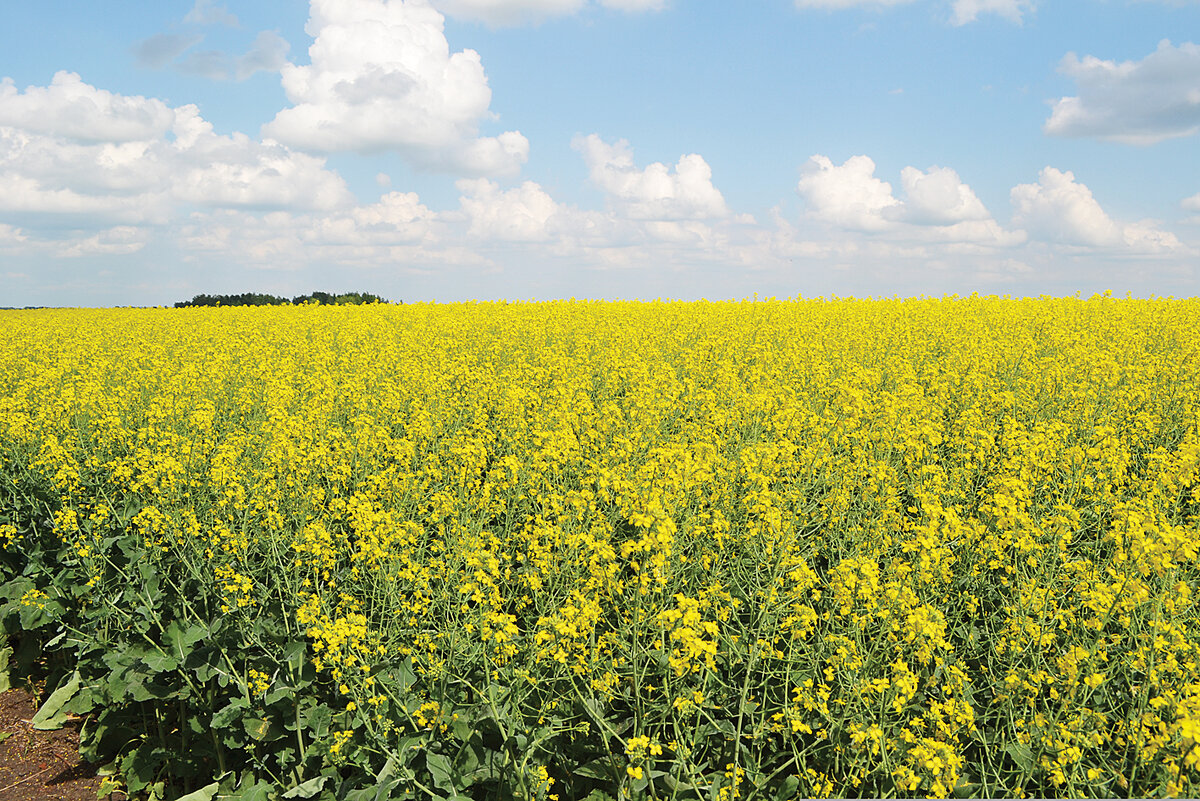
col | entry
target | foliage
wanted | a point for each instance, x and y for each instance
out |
(257, 299)
(596, 550)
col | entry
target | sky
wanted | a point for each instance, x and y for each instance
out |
(454, 150)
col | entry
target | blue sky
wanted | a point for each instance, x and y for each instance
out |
(462, 149)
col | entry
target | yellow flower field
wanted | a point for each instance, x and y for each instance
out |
(612, 550)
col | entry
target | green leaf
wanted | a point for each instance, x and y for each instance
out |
(232, 711)
(598, 795)
(307, 789)
(1022, 755)
(596, 769)
(788, 789)
(205, 793)
(160, 663)
(179, 640)
(386, 780)
(319, 719)
(258, 728)
(259, 791)
(52, 715)
(440, 770)
(5, 679)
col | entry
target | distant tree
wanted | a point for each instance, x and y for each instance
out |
(244, 299)
(344, 299)
(257, 299)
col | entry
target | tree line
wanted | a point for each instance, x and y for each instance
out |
(259, 299)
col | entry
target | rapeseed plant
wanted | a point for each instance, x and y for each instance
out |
(737, 550)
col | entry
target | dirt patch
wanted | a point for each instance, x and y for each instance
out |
(42, 765)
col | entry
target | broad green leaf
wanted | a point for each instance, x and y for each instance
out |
(160, 663)
(5, 679)
(205, 793)
(232, 711)
(258, 728)
(386, 779)
(258, 791)
(598, 795)
(319, 719)
(307, 789)
(440, 770)
(596, 769)
(179, 641)
(52, 715)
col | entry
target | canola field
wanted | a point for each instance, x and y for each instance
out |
(589, 550)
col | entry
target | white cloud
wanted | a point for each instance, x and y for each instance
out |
(237, 171)
(1134, 102)
(849, 196)
(1061, 210)
(500, 13)
(11, 235)
(938, 197)
(207, 12)
(72, 109)
(119, 241)
(157, 157)
(1191, 204)
(966, 11)
(635, 5)
(938, 207)
(382, 78)
(655, 192)
(508, 12)
(397, 218)
(519, 214)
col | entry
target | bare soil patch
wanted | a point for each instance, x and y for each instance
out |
(42, 765)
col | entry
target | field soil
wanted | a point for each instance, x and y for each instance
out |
(42, 765)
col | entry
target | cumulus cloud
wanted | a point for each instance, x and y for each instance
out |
(966, 11)
(1134, 102)
(654, 192)
(72, 109)
(500, 13)
(519, 214)
(1059, 209)
(848, 196)
(155, 156)
(938, 197)
(508, 12)
(382, 77)
(937, 206)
